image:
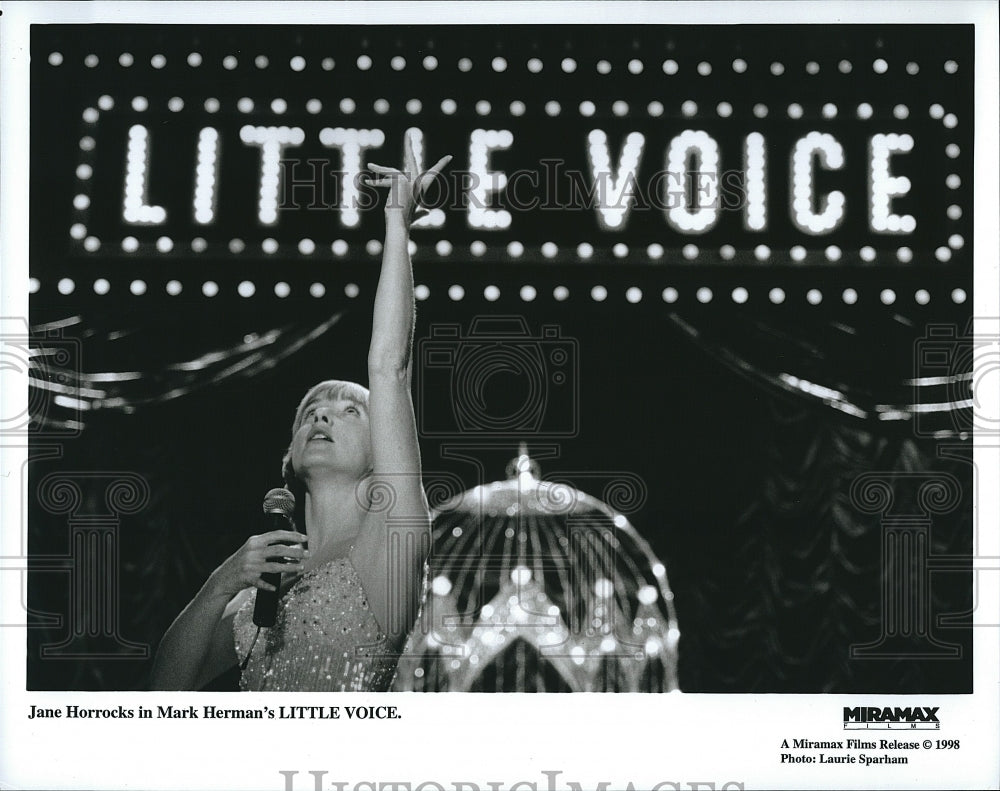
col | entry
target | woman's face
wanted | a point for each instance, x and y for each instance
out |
(334, 436)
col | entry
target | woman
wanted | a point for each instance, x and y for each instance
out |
(355, 460)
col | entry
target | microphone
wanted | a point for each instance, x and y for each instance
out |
(279, 505)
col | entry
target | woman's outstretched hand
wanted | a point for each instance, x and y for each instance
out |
(279, 550)
(406, 187)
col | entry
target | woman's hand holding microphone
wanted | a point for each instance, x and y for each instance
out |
(278, 551)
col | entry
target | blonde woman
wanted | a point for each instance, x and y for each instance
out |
(354, 464)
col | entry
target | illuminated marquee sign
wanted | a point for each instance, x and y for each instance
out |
(651, 146)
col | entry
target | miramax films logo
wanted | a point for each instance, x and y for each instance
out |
(873, 718)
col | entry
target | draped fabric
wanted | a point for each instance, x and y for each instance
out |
(799, 581)
(792, 588)
(871, 373)
(59, 388)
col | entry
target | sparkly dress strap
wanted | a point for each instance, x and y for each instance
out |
(325, 637)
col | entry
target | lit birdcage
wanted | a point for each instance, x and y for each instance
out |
(534, 586)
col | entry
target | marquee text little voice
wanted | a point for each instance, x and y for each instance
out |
(683, 180)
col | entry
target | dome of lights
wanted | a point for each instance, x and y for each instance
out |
(534, 586)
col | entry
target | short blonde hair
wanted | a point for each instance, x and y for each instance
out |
(333, 390)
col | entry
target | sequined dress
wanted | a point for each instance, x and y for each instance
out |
(325, 638)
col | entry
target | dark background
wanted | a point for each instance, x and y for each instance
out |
(776, 571)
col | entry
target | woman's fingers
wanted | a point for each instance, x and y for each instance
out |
(411, 166)
(382, 169)
(428, 176)
(285, 535)
(440, 165)
(265, 566)
(276, 536)
(380, 182)
(278, 550)
(409, 157)
(280, 554)
(278, 566)
(414, 182)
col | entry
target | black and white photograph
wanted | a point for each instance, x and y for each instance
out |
(645, 351)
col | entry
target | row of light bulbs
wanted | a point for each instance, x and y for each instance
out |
(552, 108)
(500, 64)
(527, 293)
(478, 248)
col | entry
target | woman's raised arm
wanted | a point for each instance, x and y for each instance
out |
(382, 555)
